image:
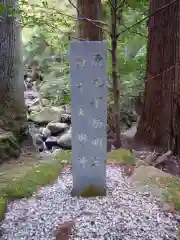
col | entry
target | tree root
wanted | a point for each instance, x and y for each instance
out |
(162, 158)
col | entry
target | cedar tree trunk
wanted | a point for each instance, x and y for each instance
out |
(90, 9)
(12, 107)
(160, 117)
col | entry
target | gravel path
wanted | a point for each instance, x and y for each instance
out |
(124, 214)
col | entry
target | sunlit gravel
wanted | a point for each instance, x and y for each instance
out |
(123, 214)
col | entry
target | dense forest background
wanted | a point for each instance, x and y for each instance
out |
(142, 57)
(47, 32)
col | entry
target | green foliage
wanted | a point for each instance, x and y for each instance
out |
(131, 57)
(43, 13)
(47, 24)
(52, 60)
(46, 45)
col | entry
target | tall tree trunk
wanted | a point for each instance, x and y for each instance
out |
(160, 117)
(114, 38)
(12, 107)
(90, 9)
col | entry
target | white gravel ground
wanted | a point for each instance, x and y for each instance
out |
(123, 214)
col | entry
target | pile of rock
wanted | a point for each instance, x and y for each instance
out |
(50, 127)
(54, 136)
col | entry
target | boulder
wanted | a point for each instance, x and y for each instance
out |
(64, 141)
(59, 109)
(46, 115)
(9, 147)
(45, 132)
(35, 108)
(45, 102)
(145, 173)
(145, 178)
(57, 127)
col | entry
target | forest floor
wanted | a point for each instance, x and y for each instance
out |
(22, 177)
(172, 166)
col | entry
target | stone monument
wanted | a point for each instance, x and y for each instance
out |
(88, 82)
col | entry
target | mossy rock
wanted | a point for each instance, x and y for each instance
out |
(93, 191)
(9, 147)
(46, 115)
(159, 183)
(123, 156)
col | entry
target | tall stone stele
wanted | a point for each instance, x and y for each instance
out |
(12, 106)
(88, 68)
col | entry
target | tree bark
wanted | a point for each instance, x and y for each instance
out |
(160, 117)
(12, 107)
(116, 95)
(90, 9)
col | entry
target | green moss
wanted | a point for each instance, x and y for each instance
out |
(13, 142)
(37, 176)
(2, 207)
(170, 187)
(172, 190)
(93, 191)
(178, 234)
(123, 156)
(64, 157)
(26, 184)
(177, 206)
(8, 146)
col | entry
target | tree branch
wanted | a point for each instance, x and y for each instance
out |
(50, 8)
(64, 14)
(65, 33)
(137, 33)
